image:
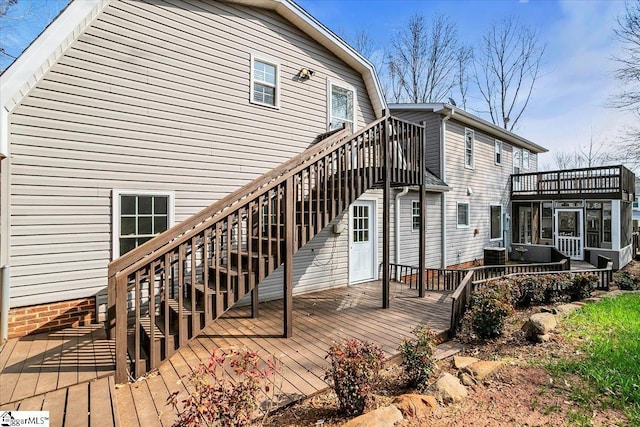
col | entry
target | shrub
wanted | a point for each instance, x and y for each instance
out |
(582, 285)
(490, 306)
(528, 291)
(626, 281)
(417, 357)
(218, 399)
(354, 373)
(556, 286)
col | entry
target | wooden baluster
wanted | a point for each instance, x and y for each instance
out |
(167, 282)
(241, 278)
(217, 253)
(154, 357)
(182, 333)
(206, 238)
(228, 241)
(137, 302)
(279, 237)
(194, 319)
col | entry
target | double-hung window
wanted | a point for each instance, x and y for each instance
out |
(463, 215)
(525, 159)
(341, 106)
(498, 152)
(139, 216)
(415, 215)
(495, 212)
(265, 82)
(469, 136)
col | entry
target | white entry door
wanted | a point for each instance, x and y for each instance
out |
(362, 255)
(569, 235)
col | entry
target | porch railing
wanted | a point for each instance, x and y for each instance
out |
(611, 182)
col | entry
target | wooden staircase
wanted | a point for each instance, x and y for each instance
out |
(164, 292)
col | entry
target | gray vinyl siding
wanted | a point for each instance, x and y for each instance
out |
(155, 96)
(488, 182)
(409, 239)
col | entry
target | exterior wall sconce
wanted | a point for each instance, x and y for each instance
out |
(306, 73)
(469, 191)
(476, 232)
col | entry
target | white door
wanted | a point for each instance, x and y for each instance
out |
(569, 236)
(362, 255)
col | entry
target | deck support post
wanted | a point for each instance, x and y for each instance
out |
(289, 218)
(111, 308)
(254, 300)
(121, 330)
(386, 216)
(422, 250)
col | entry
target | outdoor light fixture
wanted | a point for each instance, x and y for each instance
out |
(469, 191)
(306, 73)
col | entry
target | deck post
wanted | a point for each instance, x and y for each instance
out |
(121, 330)
(422, 250)
(111, 308)
(254, 300)
(386, 215)
(289, 218)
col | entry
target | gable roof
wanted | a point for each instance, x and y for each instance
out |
(465, 117)
(26, 71)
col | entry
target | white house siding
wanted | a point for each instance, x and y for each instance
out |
(409, 239)
(432, 124)
(489, 184)
(155, 96)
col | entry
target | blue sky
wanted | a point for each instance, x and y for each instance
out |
(569, 104)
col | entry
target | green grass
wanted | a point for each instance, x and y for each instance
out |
(608, 333)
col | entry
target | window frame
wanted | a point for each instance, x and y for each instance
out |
(253, 80)
(345, 86)
(525, 155)
(469, 131)
(542, 218)
(468, 224)
(116, 212)
(498, 152)
(415, 204)
(491, 238)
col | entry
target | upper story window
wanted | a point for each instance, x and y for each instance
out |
(415, 215)
(525, 159)
(463, 215)
(469, 136)
(498, 152)
(341, 106)
(517, 160)
(265, 82)
(139, 216)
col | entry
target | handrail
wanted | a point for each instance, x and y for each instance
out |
(257, 184)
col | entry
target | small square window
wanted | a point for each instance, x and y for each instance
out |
(415, 215)
(265, 82)
(463, 215)
(469, 136)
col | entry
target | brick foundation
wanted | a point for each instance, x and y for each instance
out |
(49, 317)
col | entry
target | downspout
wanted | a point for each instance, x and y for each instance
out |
(4, 304)
(403, 193)
(443, 177)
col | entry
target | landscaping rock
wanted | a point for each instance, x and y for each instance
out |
(543, 338)
(484, 369)
(386, 416)
(564, 309)
(415, 405)
(450, 389)
(466, 379)
(461, 362)
(592, 299)
(539, 324)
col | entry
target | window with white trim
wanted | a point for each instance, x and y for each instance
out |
(517, 159)
(341, 106)
(498, 152)
(469, 136)
(495, 213)
(138, 217)
(463, 215)
(525, 159)
(415, 215)
(265, 82)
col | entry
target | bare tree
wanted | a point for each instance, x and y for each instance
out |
(592, 154)
(423, 60)
(628, 72)
(465, 56)
(507, 68)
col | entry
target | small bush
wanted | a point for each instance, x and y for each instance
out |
(417, 357)
(490, 306)
(354, 373)
(626, 281)
(218, 399)
(528, 291)
(582, 285)
(556, 286)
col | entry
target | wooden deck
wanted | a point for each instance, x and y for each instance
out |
(65, 373)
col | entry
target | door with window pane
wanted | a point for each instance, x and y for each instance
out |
(362, 257)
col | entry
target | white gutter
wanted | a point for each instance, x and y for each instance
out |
(403, 193)
(443, 197)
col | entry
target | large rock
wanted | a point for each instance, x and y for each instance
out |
(484, 369)
(564, 309)
(415, 405)
(450, 389)
(539, 324)
(461, 362)
(386, 416)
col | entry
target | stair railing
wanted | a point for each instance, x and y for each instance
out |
(206, 263)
